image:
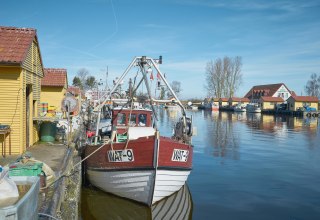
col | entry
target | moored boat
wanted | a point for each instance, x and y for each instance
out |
(240, 108)
(253, 108)
(136, 162)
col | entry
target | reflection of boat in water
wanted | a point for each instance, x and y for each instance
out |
(253, 108)
(100, 205)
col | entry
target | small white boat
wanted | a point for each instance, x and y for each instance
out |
(253, 108)
(240, 108)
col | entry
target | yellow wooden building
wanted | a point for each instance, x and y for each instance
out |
(54, 87)
(21, 70)
(223, 102)
(235, 100)
(269, 102)
(299, 102)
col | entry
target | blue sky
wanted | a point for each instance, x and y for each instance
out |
(279, 41)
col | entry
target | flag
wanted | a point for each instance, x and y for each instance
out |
(151, 76)
(158, 76)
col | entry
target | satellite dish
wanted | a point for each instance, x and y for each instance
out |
(69, 102)
(189, 103)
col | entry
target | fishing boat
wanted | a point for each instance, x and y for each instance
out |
(136, 162)
(253, 108)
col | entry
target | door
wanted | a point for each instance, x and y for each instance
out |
(28, 91)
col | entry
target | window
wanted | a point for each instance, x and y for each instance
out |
(121, 119)
(133, 120)
(142, 119)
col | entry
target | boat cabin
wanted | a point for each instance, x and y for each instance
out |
(140, 122)
(138, 118)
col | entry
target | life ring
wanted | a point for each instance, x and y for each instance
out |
(308, 114)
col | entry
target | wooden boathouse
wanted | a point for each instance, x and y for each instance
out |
(21, 70)
(54, 87)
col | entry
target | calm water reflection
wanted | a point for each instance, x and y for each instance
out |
(246, 166)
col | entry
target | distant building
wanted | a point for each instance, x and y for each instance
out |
(21, 70)
(54, 87)
(270, 103)
(223, 102)
(299, 102)
(270, 90)
(234, 101)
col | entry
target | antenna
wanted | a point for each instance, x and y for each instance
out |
(107, 73)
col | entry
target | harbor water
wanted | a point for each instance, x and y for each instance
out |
(245, 166)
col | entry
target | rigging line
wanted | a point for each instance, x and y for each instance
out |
(131, 107)
(114, 33)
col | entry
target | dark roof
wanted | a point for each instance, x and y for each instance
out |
(269, 89)
(305, 98)
(54, 77)
(15, 44)
(271, 99)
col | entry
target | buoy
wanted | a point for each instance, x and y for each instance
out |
(314, 115)
(308, 114)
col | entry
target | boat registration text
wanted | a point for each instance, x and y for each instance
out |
(120, 155)
(180, 155)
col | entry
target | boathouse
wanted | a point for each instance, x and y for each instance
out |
(296, 103)
(270, 103)
(235, 101)
(54, 87)
(224, 102)
(21, 70)
(270, 90)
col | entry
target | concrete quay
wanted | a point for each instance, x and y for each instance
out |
(61, 199)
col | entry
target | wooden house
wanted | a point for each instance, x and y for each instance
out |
(224, 102)
(215, 101)
(54, 87)
(234, 101)
(21, 70)
(299, 102)
(270, 90)
(270, 103)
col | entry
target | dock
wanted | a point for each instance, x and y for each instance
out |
(61, 199)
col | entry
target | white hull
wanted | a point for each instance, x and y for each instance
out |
(239, 110)
(139, 185)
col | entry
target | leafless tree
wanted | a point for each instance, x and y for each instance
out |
(83, 74)
(223, 77)
(176, 87)
(313, 85)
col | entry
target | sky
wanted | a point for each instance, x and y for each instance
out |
(279, 41)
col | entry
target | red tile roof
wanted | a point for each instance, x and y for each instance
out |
(305, 98)
(15, 43)
(269, 89)
(54, 77)
(224, 99)
(74, 90)
(236, 99)
(271, 99)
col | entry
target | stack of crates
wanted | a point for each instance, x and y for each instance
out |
(27, 169)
